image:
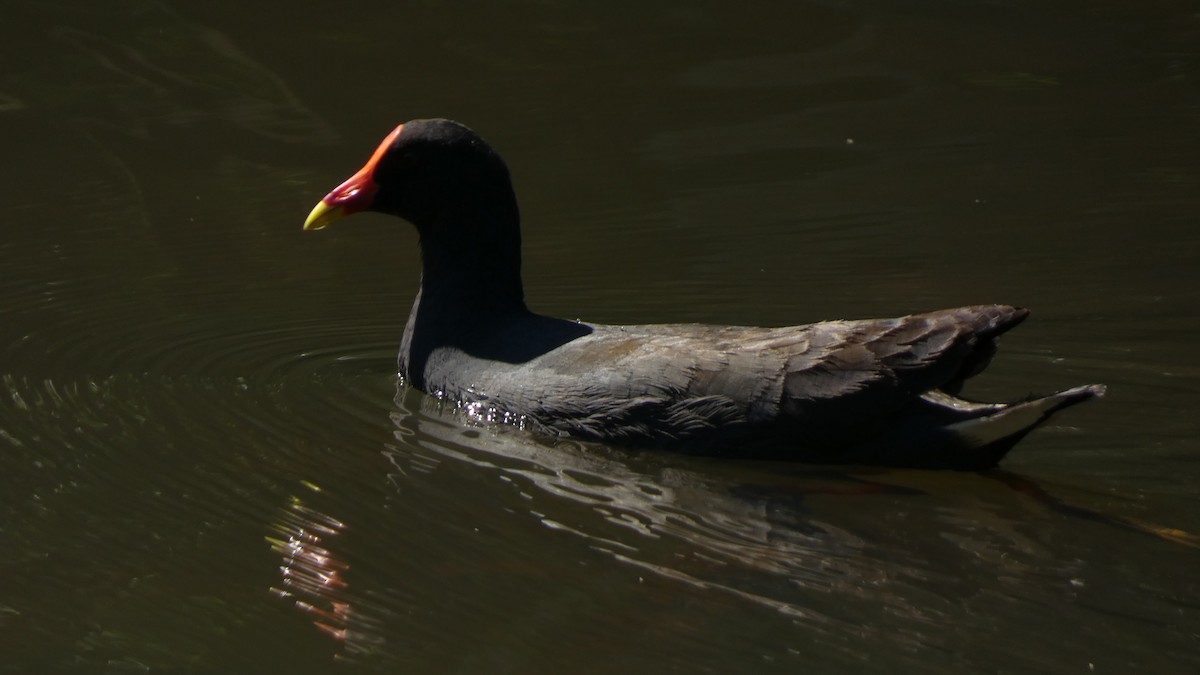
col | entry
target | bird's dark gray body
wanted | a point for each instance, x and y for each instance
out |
(868, 391)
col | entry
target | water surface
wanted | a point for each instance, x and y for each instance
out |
(206, 464)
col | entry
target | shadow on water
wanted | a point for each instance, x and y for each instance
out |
(903, 560)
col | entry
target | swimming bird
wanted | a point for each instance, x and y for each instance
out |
(874, 391)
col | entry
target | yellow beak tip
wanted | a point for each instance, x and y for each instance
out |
(322, 216)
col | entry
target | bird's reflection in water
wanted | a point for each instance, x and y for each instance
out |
(762, 516)
(739, 523)
(905, 559)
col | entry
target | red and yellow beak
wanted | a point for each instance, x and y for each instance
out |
(354, 195)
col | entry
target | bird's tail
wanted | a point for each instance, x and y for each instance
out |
(987, 438)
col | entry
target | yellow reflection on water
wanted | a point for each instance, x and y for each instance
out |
(311, 576)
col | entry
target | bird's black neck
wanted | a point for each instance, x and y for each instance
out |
(470, 282)
(471, 262)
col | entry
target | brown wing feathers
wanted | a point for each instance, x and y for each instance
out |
(882, 364)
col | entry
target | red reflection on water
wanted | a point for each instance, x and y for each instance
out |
(311, 575)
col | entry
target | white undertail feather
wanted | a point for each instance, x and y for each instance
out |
(1017, 418)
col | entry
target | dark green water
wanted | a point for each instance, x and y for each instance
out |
(205, 465)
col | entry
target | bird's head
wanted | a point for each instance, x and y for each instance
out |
(427, 172)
